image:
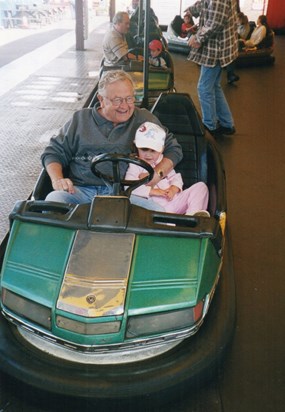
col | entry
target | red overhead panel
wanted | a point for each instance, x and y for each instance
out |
(276, 14)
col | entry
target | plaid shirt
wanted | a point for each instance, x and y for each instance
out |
(217, 32)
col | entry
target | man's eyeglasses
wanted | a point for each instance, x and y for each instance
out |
(117, 101)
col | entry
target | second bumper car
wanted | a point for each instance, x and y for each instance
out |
(176, 43)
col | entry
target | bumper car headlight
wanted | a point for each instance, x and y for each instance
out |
(26, 308)
(158, 323)
(88, 328)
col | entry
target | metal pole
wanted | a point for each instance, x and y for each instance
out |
(146, 53)
(112, 9)
(79, 26)
(140, 18)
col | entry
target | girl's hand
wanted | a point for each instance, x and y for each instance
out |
(158, 192)
(171, 192)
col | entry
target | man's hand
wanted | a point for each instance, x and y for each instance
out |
(193, 42)
(63, 184)
(156, 178)
(138, 57)
(59, 182)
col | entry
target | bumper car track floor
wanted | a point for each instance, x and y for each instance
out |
(252, 378)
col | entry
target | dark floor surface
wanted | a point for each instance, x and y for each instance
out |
(255, 167)
(252, 379)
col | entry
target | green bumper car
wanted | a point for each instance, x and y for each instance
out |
(112, 301)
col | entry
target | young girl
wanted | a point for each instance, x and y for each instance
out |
(168, 193)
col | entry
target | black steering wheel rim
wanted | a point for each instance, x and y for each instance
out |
(116, 180)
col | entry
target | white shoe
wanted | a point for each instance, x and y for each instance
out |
(202, 213)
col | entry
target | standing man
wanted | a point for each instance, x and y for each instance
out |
(115, 46)
(214, 46)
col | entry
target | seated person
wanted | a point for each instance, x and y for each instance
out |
(167, 192)
(187, 27)
(108, 127)
(115, 46)
(258, 34)
(155, 50)
(244, 28)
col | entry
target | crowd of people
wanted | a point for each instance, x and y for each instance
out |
(116, 125)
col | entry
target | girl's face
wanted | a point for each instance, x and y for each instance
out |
(148, 155)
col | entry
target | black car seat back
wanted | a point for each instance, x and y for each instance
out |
(177, 112)
(176, 24)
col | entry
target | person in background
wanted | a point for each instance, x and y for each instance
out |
(214, 46)
(168, 192)
(108, 127)
(188, 27)
(243, 26)
(115, 46)
(258, 34)
(155, 50)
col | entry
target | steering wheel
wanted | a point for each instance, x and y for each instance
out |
(116, 180)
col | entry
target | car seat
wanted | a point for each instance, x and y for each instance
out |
(176, 24)
(177, 112)
(268, 41)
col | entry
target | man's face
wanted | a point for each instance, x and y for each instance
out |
(109, 108)
(124, 26)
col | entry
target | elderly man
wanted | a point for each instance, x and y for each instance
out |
(109, 127)
(214, 46)
(115, 46)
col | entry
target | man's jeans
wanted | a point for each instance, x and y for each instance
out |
(85, 194)
(213, 103)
